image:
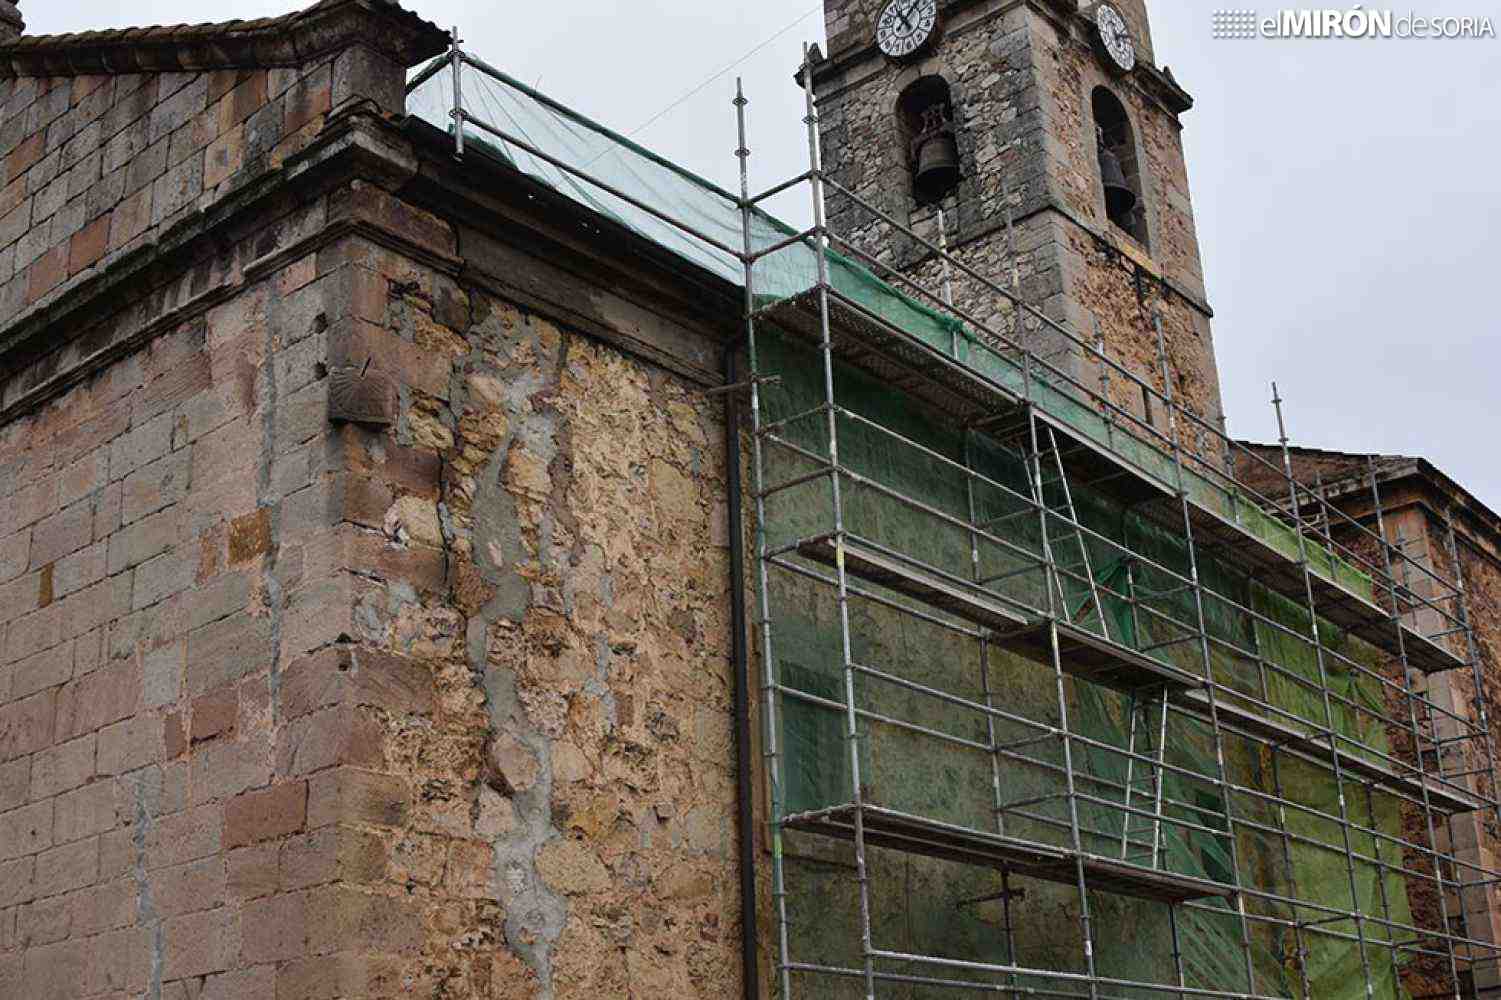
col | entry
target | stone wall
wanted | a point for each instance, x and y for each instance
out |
(362, 633)
(551, 551)
(98, 166)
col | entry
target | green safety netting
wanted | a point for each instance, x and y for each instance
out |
(907, 769)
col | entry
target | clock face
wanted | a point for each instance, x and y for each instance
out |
(905, 26)
(1115, 37)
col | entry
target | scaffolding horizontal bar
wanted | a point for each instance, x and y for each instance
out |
(966, 398)
(1443, 796)
(915, 835)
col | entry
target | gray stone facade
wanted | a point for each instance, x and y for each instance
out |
(1021, 75)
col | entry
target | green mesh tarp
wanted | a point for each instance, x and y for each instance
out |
(920, 773)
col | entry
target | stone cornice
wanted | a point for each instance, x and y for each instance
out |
(291, 40)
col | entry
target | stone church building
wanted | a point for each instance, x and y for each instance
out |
(387, 605)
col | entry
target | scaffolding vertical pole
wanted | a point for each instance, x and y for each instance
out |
(456, 63)
(1481, 716)
(1292, 878)
(990, 734)
(1417, 744)
(826, 347)
(1331, 731)
(768, 661)
(1287, 842)
(1050, 571)
(1105, 404)
(1472, 653)
(1223, 776)
(1386, 906)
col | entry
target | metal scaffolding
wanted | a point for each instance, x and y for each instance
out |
(1433, 786)
(1368, 779)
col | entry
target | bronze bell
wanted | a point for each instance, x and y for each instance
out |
(938, 166)
(1119, 198)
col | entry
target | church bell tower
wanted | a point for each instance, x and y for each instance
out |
(1040, 141)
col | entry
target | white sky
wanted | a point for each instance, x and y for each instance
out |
(1346, 192)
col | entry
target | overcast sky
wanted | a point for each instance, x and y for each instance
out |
(1346, 191)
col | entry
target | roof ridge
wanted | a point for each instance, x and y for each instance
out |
(283, 40)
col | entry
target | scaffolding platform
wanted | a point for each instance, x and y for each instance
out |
(1092, 658)
(865, 341)
(1443, 796)
(916, 835)
(869, 563)
(1082, 653)
(1110, 472)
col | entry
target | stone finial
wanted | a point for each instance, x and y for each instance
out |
(11, 25)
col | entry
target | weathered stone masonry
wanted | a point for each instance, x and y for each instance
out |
(433, 701)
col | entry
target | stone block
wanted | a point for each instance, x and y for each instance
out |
(34, 632)
(129, 744)
(215, 714)
(175, 111)
(140, 446)
(26, 725)
(177, 189)
(184, 836)
(156, 485)
(25, 156)
(247, 97)
(227, 650)
(15, 554)
(108, 694)
(275, 929)
(224, 158)
(251, 872)
(71, 866)
(218, 598)
(63, 767)
(307, 99)
(348, 795)
(43, 670)
(131, 218)
(265, 814)
(250, 536)
(161, 577)
(163, 669)
(151, 536)
(222, 769)
(15, 784)
(26, 831)
(198, 944)
(88, 245)
(188, 888)
(67, 531)
(46, 273)
(83, 812)
(82, 477)
(339, 916)
(332, 854)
